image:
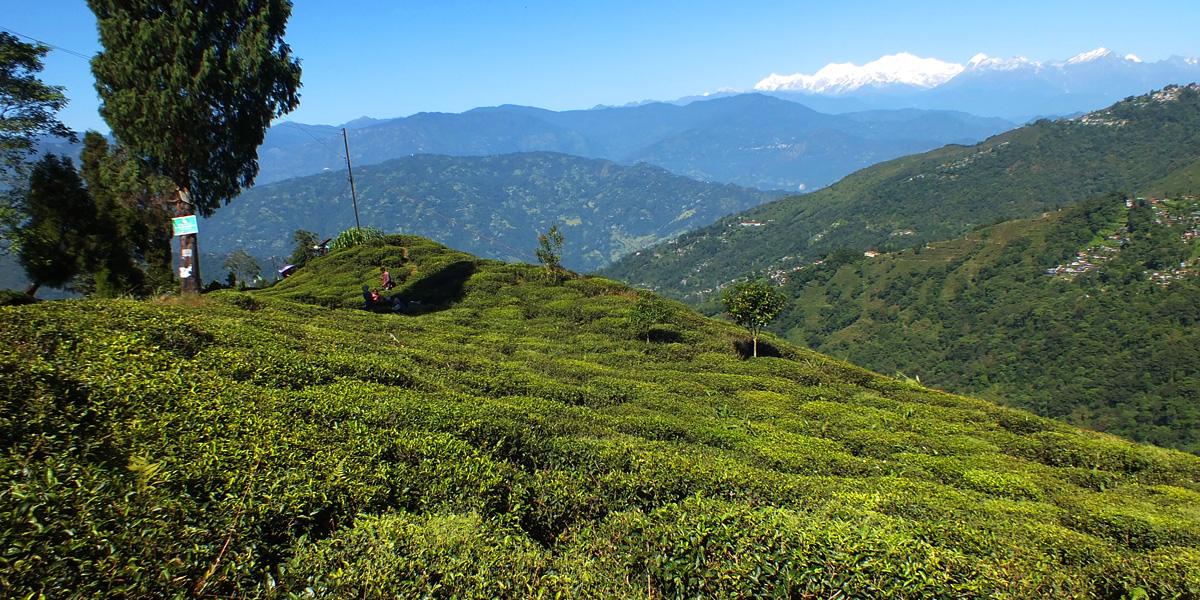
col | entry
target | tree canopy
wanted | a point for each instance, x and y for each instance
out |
(192, 88)
(648, 311)
(54, 240)
(753, 305)
(306, 242)
(132, 233)
(27, 109)
(549, 250)
(242, 266)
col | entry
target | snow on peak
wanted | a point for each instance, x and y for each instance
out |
(977, 60)
(983, 61)
(1089, 56)
(922, 73)
(834, 78)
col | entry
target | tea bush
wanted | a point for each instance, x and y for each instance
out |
(511, 439)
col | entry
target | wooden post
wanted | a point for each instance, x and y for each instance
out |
(189, 254)
(354, 196)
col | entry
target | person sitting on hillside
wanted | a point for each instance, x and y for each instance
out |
(386, 278)
(322, 249)
(368, 301)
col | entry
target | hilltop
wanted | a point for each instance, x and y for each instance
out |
(510, 437)
(1137, 144)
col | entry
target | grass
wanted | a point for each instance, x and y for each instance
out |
(509, 438)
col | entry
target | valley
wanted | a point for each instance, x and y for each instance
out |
(491, 206)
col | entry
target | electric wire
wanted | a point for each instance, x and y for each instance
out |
(341, 156)
(362, 172)
(47, 44)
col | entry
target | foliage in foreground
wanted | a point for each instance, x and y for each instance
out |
(519, 440)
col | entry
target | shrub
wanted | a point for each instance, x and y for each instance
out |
(354, 237)
(442, 555)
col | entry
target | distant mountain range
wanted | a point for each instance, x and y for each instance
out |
(1146, 143)
(750, 140)
(1015, 88)
(493, 207)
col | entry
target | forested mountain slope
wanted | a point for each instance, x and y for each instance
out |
(511, 438)
(937, 195)
(492, 206)
(1087, 315)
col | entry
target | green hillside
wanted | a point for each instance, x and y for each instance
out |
(509, 438)
(1107, 342)
(937, 195)
(490, 206)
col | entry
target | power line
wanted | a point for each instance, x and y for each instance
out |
(414, 201)
(397, 192)
(47, 44)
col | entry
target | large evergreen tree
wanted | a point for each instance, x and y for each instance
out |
(191, 86)
(27, 108)
(55, 238)
(133, 239)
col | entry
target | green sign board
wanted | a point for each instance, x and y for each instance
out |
(185, 225)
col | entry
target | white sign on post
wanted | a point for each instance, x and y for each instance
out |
(185, 225)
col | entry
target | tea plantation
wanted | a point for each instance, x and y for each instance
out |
(514, 438)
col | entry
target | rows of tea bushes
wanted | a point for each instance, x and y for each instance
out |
(507, 438)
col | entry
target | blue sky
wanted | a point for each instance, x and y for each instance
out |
(397, 57)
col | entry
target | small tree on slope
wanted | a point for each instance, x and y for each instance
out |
(549, 251)
(753, 306)
(647, 312)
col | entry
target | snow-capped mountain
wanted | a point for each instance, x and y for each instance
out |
(839, 78)
(1013, 88)
(1096, 54)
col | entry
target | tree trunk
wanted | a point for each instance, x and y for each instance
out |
(189, 255)
(33, 288)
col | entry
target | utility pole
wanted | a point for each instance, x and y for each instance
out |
(351, 171)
